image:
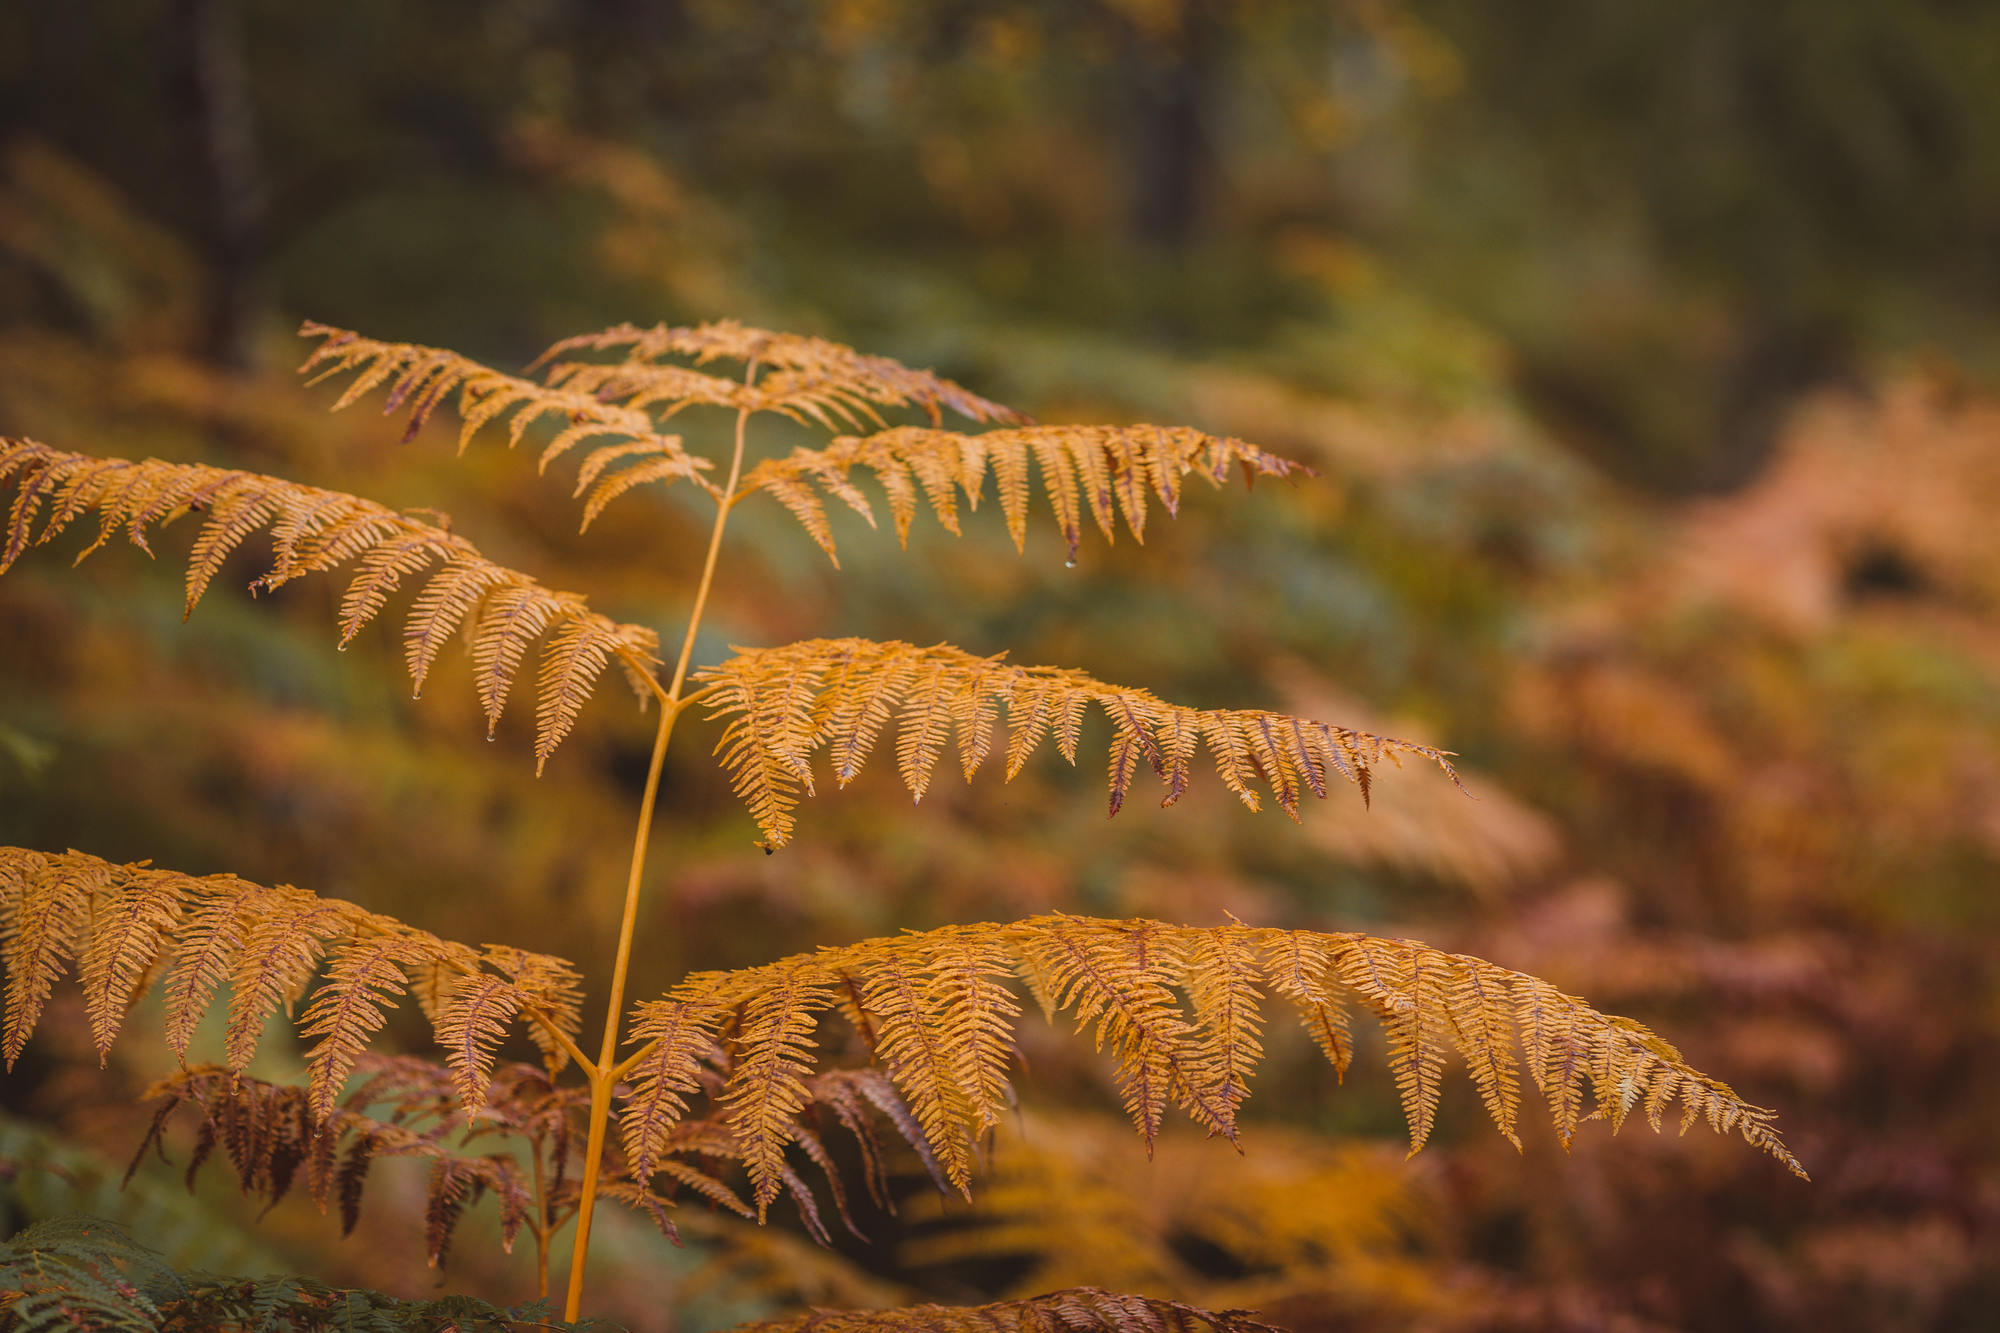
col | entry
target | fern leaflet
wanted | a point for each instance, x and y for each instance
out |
(313, 530)
(1108, 471)
(268, 943)
(781, 704)
(421, 378)
(814, 372)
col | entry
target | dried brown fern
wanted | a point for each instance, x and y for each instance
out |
(271, 1133)
(1107, 470)
(840, 695)
(1180, 1009)
(1077, 1310)
(128, 927)
(402, 1107)
(314, 530)
(703, 1157)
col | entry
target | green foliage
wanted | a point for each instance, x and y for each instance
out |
(79, 1274)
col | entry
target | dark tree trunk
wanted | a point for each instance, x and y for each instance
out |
(224, 125)
(1173, 80)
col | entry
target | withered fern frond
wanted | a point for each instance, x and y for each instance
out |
(667, 1157)
(783, 704)
(403, 1106)
(420, 379)
(1075, 1310)
(314, 530)
(814, 374)
(1179, 1009)
(1109, 471)
(275, 1138)
(124, 926)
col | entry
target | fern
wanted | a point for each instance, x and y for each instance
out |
(268, 944)
(782, 704)
(273, 1134)
(701, 1156)
(617, 404)
(1126, 980)
(1298, 1223)
(313, 530)
(722, 1096)
(849, 378)
(86, 1273)
(419, 379)
(82, 1273)
(1077, 1310)
(276, 1139)
(1108, 470)
(77, 1273)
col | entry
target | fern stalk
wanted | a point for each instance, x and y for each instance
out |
(540, 1225)
(605, 1070)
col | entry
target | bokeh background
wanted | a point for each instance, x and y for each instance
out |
(1644, 351)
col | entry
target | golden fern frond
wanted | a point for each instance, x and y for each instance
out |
(767, 1086)
(1407, 983)
(128, 947)
(471, 1022)
(848, 379)
(421, 378)
(781, 704)
(638, 386)
(941, 1018)
(47, 909)
(681, 1038)
(1107, 470)
(911, 1038)
(1118, 979)
(552, 994)
(1221, 974)
(127, 922)
(1298, 969)
(314, 530)
(1075, 1310)
(1179, 1008)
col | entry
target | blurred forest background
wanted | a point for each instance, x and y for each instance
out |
(1645, 353)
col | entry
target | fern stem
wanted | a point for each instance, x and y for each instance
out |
(604, 1074)
(714, 550)
(644, 669)
(562, 1039)
(541, 1223)
(625, 1066)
